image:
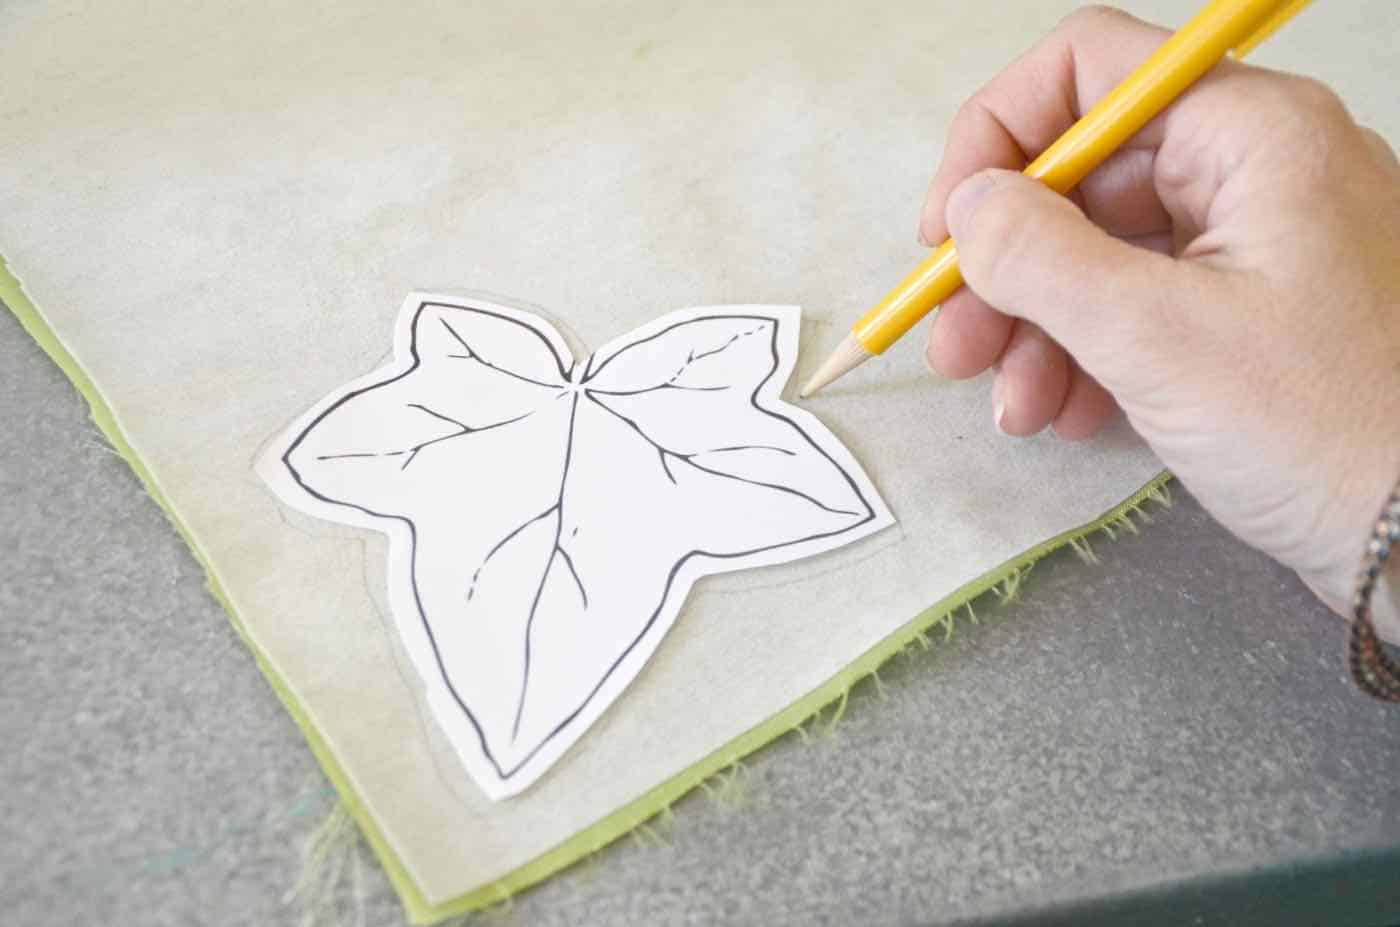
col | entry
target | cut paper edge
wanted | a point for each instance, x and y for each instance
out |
(632, 816)
(419, 628)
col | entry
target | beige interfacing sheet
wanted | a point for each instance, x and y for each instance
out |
(217, 211)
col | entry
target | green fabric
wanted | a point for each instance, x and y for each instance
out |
(642, 809)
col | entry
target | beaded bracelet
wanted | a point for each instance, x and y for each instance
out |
(1372, 669)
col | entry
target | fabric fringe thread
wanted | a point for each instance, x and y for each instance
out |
(331, 890)
(321, 877)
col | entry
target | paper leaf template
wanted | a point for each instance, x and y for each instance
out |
(547, 518)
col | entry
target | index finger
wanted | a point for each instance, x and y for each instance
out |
(1040, 95)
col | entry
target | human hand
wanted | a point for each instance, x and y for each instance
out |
(1230, 279)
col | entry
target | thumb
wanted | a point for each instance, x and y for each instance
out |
(1031, 253)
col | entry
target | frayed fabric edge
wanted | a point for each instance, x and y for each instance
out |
(647, 819)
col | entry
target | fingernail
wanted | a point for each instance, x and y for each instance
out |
(928, 365)
(923, 239)
(928, 348)
(998, 404)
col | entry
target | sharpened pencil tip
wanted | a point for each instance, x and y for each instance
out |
(849, 355)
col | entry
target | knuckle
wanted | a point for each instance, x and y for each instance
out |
(1177, 168)
(1092, 19)
(1287, 100)
(1305, 106)
(1316, 124)
(1302, 120)
(1378, 145)
(969, 116)
(1316, 97)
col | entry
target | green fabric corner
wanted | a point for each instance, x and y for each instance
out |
(12, 295)
(625, 819)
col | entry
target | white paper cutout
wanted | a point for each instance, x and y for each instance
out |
(548, 518)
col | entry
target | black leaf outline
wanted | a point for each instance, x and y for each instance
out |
(556, 510)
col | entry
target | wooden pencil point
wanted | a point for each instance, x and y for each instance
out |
(849, 355)
(1168, 72)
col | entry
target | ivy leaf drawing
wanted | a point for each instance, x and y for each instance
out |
(548, 518)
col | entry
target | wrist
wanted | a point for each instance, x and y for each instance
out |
(1337, 588)
(1374, 671)
(1363, 502)
(1366, 470)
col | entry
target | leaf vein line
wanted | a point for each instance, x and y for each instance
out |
(475, 355)
(410, 453)
(476, 574)
(569, 562)
(549, 565)
(686, 458)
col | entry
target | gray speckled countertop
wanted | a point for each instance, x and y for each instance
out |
(1166, 737)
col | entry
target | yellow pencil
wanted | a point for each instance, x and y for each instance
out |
(1221, 26)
